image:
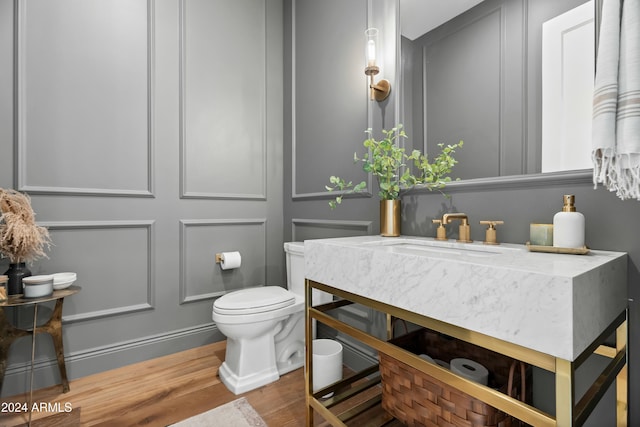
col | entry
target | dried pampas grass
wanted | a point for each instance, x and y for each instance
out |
(21, 239)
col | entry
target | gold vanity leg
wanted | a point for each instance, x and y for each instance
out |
(621, 379)
(8, 334)
(33, 357)
(54, 328)
(308, 337)
(564, 393)
(389, 326)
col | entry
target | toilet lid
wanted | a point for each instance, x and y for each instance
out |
(254, 300)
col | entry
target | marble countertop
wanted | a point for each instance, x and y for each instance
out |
(557, 304)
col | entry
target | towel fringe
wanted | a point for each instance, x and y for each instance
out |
(608, 171)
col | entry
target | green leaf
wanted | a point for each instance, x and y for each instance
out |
(360, 187)
(388, 162)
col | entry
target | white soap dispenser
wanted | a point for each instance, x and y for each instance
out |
(568, 225)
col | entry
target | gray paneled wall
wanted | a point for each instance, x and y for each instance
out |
(121, 243)
(225, 81)
(84, 96)
(329, 110)
(303, 229)
(328, 90)
(201, 279)
(149, 136)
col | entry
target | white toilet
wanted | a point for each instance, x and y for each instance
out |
(264, 327)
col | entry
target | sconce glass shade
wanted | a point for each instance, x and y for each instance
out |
(371, 35)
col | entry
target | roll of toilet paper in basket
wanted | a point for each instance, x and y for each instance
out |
(470, 369)
(230, 260)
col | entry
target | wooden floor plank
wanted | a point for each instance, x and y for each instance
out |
(163, 391)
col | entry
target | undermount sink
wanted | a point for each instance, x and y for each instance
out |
(439, 248)
(423, 250)
(554, 303)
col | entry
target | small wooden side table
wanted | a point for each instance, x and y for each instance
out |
(10, 332)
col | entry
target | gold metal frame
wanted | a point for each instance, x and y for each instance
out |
(568, 413)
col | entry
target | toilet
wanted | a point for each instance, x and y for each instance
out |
(264, 327)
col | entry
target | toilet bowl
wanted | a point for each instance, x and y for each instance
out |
(264, 327)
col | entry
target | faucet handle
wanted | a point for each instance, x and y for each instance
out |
(441, 232)
(491, 234)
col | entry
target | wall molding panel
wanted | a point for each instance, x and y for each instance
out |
(217, 102)
(309, 82)
(115, 263)
(200, 239)
(327, 228)
(70, 74)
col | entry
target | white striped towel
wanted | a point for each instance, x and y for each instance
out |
(616, 103)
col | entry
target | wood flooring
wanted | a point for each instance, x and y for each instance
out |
(163, 391)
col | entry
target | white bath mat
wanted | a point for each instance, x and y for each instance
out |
(238, 413)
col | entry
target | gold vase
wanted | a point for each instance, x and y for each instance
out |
(390, 218)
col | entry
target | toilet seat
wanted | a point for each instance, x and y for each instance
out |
(254, 300)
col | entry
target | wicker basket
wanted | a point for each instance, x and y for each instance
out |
(417, 399)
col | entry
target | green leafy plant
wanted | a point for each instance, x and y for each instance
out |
(394, 169)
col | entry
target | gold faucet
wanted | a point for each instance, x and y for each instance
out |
(464, 234)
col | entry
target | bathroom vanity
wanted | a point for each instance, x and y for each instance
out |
(548, 310)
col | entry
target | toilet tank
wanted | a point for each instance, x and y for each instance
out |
(294, 252)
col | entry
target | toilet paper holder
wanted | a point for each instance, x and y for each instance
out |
(229, 260)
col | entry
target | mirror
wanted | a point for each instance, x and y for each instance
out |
(477, 75)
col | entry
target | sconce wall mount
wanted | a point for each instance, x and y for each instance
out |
(379, 91)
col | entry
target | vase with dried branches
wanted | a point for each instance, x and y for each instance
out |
(21, 239)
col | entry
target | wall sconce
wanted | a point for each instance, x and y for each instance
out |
(379, 91)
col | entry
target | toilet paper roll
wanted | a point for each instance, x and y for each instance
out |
(426, 357)
(470, 369)
(230, 260)
(441, 363)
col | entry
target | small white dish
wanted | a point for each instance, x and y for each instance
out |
(37, 286)
(63, 280)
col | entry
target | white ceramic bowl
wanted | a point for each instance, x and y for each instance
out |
(37, 286)
(63, 280)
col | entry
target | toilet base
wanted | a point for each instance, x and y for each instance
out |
(289, 344)
(239, 385)
(291, 364)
